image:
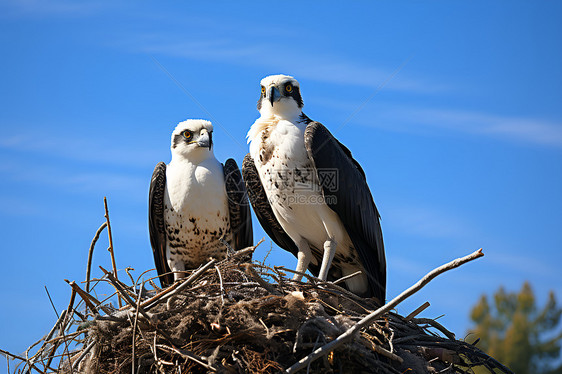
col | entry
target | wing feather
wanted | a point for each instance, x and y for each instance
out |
(157, 224)
(353, 201)
(238, 207)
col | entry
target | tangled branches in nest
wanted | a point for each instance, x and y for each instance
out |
(240, 317)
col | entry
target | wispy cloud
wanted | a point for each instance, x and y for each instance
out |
(304, 63)
(525, 265)
(404, 265)
(73, 180)
(525, 130)
(81, 149)
(425, 222)
(16, 206)
(528, 130)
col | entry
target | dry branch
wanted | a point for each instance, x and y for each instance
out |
(110, 237)
(420, 309)
(91, 254)
(348, 335)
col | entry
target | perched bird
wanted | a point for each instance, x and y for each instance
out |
(194, 202)
(310, 195)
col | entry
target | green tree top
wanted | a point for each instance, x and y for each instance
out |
(516, 333)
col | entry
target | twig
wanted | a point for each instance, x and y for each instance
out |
(390, 341)
(67, 336)
(51, 300)
(351, 297)
(247, 250)
(110, 249)
(380, 350)
(6, 353)
(312, 279)
(251, 272)
(135, 283)
(55, 346)
(221, 285)
(420, 309)
(83, 354)
(436, 325)
(50, 334)
(347, 293)
(266, 328)
(268, 252)
(147, 304)
(135, 329)
(156, 359)
(342, 279)
(91, 254)
(67, 319)
(127, 269)
(88, 299)
(61, 329)
(244, 251)
(348, 335)
(124, 294)
(130, 301)
(189, 355)
(70, 307)
(193, 277)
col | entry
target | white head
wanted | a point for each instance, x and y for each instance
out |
(280, 96)
(193, 140)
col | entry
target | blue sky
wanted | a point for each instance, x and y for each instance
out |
(453, 109)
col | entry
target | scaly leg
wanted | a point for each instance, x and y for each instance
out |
(329, 252)
(175, 267)
(303, 258)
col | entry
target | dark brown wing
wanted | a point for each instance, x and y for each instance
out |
(238, 206)
(352, 201)
(157, 225)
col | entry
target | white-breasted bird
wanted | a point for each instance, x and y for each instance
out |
(195, 201)
(310, 195)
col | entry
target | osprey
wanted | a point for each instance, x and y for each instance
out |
(310, 195)
(194, 202)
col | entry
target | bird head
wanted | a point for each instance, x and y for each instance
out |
(280, 96)
(193, 139)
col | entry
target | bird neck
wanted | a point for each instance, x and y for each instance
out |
(283, 110)
(194, 157)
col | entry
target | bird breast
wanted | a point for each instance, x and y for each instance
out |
(196, 211)
(291, 185)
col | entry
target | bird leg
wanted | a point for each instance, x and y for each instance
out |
(329, 252)
(303, 258)
(178, 268)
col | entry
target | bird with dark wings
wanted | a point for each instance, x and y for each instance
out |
(310, 195)
(194, 202)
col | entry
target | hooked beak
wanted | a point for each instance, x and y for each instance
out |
(273, 94)
(205, 139)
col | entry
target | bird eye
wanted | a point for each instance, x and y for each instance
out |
(262, 90)
(187, 134)
(289, 88)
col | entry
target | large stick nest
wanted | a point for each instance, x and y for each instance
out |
(240, 317)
